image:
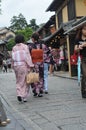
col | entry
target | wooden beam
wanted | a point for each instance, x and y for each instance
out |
(68, 48)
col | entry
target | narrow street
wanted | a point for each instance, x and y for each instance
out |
(62, 109)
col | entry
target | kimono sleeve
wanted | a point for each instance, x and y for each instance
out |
(28, 58)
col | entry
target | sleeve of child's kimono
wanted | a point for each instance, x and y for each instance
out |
(47, 53)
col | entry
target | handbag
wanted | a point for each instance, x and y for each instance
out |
(32, 77)
(74, 58)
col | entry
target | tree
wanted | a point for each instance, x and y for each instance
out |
(10, 44)
(33, 24)
(18, 22)
(27, 32)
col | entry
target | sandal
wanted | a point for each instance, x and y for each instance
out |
(3, 123)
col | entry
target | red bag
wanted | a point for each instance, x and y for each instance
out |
(74, 58)
(37, 55)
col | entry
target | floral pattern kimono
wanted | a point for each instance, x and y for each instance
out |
(56, 55)
(39, 67)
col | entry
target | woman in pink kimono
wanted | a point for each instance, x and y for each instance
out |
(21, 62)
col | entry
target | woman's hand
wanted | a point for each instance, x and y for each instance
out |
(80, 47)
(84, 44)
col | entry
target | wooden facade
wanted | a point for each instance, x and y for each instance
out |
(66, 11)
(44, 31)
(3, 49)
(6, 34)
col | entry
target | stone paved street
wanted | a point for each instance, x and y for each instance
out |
(62, 109)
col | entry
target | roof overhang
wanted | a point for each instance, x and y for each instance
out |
(57, 33)
(47, 24)
(55, 5)
(60, 32)
(76, 25)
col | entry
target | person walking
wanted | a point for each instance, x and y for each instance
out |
(3, 117)
(9, 64)
(4, 66)
(39, 87)
(80, 47)
(21, 63)
(47, 59)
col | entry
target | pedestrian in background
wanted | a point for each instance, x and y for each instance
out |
(9, 64)
(80, 47)
(37, 88)
(4, 66)
(3, 118)
(42, 85)
(47, 57)
(21, 63)
(51, 65)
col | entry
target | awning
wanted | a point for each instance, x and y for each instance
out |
(47, 24)
(76, 25)
(60, 32)
(53, 38)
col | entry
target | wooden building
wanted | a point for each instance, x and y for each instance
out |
(3, 49)
(6, 34)
(44, 31)
(66, 13)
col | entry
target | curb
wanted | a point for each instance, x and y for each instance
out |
(25, 123)
(71, 78)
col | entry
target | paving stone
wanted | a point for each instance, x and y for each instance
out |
(4, 128)
(68, 121)
(40, 121)
(49, 126)
(62, 109)
(72, 127)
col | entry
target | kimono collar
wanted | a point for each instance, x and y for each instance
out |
(19, 44)
(35, 42)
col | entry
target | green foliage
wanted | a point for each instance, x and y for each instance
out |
(18, 22)
(10, 44)
(27, 32)
(33, 24)
(20, 26)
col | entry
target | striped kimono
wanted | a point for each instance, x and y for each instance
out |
(21, 62)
